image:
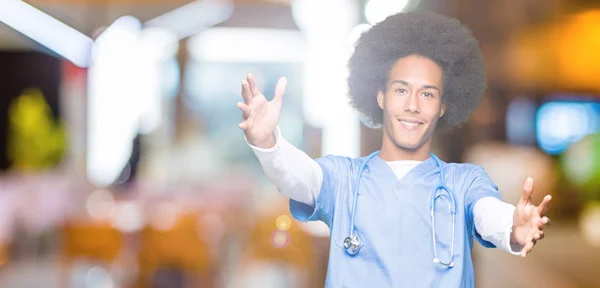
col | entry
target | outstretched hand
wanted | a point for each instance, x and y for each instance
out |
(529, 220)
(260, 116)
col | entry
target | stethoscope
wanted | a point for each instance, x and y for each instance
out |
(352, 243)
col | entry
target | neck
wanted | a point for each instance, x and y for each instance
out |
(392, 152)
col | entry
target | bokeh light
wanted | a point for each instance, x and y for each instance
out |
(589, 224)
(128, 217)
(283, 222)
(100, 204)
(280, 239)
(581, 164)
(559, 124)
(164, 216)
(98, 277)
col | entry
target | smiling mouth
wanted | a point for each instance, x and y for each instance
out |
(410, 125)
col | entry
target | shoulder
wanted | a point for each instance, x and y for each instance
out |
(331, 159)
(340, 163)
(463, 167)
(470, 174)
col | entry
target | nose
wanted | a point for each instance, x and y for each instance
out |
(412, 104)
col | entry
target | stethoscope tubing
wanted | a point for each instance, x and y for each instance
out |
(352, 243)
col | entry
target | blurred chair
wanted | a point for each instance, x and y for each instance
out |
(93, 241)
(279, 258)
(168, 257)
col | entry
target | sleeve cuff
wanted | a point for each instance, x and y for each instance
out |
(303, 212)
(494, 220)
(514, 249)
(272, 149)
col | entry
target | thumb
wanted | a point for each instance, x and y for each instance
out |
(280, 89)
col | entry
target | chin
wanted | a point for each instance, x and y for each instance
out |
(411, 146)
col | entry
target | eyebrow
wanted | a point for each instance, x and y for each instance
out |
(408, 84)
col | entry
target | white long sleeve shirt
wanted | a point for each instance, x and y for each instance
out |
(302, 182)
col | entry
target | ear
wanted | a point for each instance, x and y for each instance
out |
(380, 99)
(443, 110)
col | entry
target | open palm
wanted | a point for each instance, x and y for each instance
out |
(260, 116)
(529, 220)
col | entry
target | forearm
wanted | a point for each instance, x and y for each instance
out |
(494, 222)
(294, 173)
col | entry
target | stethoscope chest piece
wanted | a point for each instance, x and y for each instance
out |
(352, 245)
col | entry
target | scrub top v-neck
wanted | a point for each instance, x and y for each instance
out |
(393, 221)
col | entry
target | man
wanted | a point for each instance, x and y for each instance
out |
(400, 217)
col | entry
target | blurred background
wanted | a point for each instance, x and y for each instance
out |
(121, 163)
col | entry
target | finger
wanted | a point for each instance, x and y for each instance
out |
(280, 89)
(246, 94)
(528, 247)
(527, 190)
(545, 205)
(545, 222)
(541, 233)
(252, 83)
(244, 125)
(246, 110)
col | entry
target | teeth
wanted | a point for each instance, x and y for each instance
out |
(410, 124)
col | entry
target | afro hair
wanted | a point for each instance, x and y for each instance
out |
(441, 39)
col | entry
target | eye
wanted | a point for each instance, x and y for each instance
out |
(428, 94)
(400, 90)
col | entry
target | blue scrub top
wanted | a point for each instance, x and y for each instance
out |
(393, 222)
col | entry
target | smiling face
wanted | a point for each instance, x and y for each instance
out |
(412, 104)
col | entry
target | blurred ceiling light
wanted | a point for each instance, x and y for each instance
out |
(355, 34)
(158, 43)
(124, 27)
(247, 45)
(327, 16)
(113, 114)
(194, 17)
(126, 86)
(46, 30)
(156, 46)
(327, 26)
(377, 10)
